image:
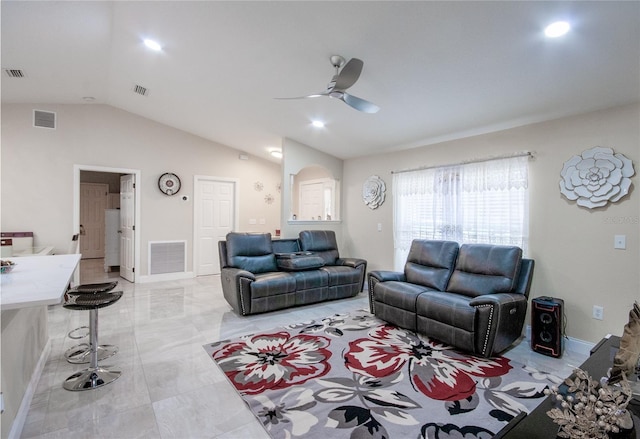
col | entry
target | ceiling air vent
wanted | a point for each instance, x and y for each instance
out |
(140, 90)
(14, 73)
(44, 119)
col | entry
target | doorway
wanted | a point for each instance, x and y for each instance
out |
(104, 184)
(215, 214)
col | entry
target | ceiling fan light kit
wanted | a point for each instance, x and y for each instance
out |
(341, 81)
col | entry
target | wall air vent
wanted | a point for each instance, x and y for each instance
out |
(44, 119)
(167, 257)
(143, 91)
(15, 73)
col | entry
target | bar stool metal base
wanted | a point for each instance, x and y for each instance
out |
(91, 378)
(78, 333)
(81, 353)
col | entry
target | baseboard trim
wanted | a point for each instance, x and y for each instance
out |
(570, 343)
(165, 277)
(21, 417)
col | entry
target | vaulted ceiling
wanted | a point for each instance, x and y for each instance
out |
(438, 70)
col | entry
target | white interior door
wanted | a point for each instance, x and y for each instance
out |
(214, 216)
(311, 201)
(127, 227)
(93, 202)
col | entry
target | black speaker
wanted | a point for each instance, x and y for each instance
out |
(547, 335)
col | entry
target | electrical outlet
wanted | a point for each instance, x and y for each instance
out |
(598, 312)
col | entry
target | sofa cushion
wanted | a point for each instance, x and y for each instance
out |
(485, 269)
(272, 284)
(311, 279)
(285, 245)
(448, 308)
(342, 275)
(251, 251)
(398, 294)
(430, 263)
(299, 261)
(322, 242)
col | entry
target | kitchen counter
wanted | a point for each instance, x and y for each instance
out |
(36, 280)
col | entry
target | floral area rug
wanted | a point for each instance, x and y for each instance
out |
(355, 376)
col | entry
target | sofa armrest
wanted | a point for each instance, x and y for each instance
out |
(378, 276)
(384, 275)
(497, 299)
(236, 288)
(357, 264)
(500, 321)
(351, 262)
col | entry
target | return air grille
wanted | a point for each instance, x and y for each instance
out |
(167, 257)
(142, 91)
(44, 119)
(14, 73)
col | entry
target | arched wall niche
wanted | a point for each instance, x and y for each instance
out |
(300, 161)
(315, 195)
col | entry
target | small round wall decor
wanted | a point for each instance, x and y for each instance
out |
(373, 191)
(596, 177)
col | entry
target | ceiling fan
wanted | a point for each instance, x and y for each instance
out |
(342, 80)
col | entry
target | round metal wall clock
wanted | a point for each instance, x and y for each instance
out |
(169, 183)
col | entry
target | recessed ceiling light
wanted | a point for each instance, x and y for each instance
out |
(557, 29)
(153, 45)
(318, 124)
(276, 153)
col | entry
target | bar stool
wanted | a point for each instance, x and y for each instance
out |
(80, 353)
(94, 376)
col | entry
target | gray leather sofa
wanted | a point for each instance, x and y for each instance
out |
(473, 297)
(259, 274)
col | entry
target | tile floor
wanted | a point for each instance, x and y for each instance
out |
(169, 387)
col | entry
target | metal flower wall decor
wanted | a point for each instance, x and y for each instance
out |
(596, 177)
(373, 192)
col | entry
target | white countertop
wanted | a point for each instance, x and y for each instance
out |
(33, 251)
(37, 280)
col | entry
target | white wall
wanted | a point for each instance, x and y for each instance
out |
(37, 173)
(572, 246)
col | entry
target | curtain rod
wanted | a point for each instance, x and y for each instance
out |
(487, 159)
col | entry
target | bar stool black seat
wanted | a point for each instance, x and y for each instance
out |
(80, 352)
(95, 288)
(94, 376)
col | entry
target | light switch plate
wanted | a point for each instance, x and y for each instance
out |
(620, 242)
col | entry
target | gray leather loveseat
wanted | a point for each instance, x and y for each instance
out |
(259, 274)
(473, 297)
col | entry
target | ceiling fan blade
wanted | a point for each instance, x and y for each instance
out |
(359, 104)
(349, 74)
(314, 95)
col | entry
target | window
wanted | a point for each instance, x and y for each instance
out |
(483, 202)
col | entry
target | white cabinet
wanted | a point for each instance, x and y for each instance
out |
(111, 238)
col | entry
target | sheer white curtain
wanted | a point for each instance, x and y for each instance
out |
(484, 202)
